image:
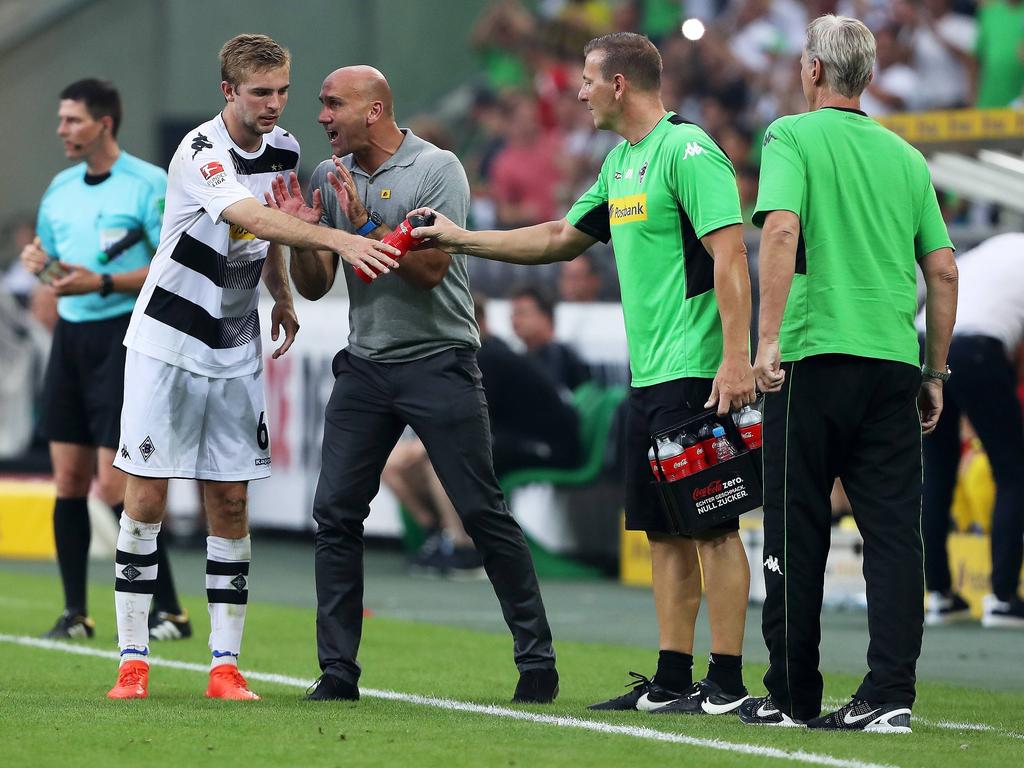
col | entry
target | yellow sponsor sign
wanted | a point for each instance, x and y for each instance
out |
(622, 210)
(957, 125)
(241, 233)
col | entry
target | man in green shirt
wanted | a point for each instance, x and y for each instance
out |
(667, 199)
(1000, 53)
(848, 212)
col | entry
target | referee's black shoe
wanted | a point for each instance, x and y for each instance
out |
(861, 715)
(536, 686)
(705, 697)
(762, 711)
(71, 625)
(331, 688)
(646, 695)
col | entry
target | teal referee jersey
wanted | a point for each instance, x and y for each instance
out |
(80, 216)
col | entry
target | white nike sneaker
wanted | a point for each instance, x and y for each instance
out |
(861, 715)
(762, 711)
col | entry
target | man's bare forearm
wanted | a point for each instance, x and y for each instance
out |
(732, 292)
(275, 275)
(269, 224)
(310, 273)
(942, 279)
(776, 266)
(130, 282)
(540, 244)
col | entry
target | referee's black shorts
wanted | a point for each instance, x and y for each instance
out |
(650, 409)
(84, 385)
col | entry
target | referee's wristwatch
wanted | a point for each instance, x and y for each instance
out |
(106, 285)
(372, 222)
(932, 373)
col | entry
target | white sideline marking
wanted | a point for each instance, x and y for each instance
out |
(639, 732)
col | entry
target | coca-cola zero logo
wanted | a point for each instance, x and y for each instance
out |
(715, 486)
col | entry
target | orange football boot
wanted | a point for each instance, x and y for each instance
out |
(132, 681)
(226, 682)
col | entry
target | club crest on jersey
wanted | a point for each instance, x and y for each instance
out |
(643, 171)
(622, 210)
(214, 173)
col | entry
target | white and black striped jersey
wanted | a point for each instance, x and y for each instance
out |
(197, 309)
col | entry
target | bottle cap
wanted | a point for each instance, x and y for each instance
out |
(718, 431)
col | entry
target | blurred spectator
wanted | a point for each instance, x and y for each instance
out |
(531, 425)
(940, 43)
(989, 329)
(894, 84)
(19, 231)
(525, 179)
(1000, 70)
(579, 280)
(499, 36)
(533, 321)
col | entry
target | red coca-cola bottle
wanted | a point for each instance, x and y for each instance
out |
(706, 439)
(672, 459)
(694, 453)
(401, 238)
(748, 421)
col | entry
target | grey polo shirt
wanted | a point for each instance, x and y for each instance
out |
(392, 320)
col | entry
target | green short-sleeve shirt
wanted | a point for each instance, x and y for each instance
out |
(867, 213)
(655, 199)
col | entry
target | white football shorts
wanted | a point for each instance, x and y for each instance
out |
(175, 423)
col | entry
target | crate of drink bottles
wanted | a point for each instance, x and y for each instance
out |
(707, 470)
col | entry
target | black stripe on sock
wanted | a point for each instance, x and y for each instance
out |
(217, 568)
(231, 596)
(124, 558)
(139, 587)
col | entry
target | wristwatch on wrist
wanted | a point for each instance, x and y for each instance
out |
(372, 222)
(106, 285)
(931, 373)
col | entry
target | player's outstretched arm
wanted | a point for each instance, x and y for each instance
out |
(540, 244)
(276, 226)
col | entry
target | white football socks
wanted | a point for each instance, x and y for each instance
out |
(227, 592)
(135, 570)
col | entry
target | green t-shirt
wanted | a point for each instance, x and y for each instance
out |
(867, 213)
(1000, 37)
(655, 199)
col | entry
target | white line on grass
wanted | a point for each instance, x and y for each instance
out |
(649, 734)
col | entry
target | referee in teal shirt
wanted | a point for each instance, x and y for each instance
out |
(99, 223)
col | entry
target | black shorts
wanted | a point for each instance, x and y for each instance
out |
(650, 409)
(84, 384)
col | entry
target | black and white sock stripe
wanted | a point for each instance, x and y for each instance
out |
(227, 582)
(135, 573)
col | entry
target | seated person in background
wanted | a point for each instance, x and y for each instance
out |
(579, 280)
(531, 425)
(533, 320)
(447, 549)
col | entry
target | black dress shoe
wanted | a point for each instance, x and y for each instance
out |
(536, 686)
(331, 688)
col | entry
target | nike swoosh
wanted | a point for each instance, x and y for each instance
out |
(853, 720)
(644, 703)
(721, 709)
(763, 712)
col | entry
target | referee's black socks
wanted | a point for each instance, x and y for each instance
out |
(71, 534)
(675, 671)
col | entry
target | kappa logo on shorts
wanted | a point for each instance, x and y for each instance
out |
(124, 452)
(771, 563)
(263, 461)
(239, 583)
(130, 572)
(146, 448)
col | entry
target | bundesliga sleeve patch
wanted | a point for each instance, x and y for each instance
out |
(214, 173)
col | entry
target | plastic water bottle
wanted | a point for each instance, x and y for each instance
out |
(672, 458)
(748, 420)
(401, 238)
(722, 448)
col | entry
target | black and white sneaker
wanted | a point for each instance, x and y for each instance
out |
(946, 608)
(642, 686)
(1000, 613)
(169, 626)
(860, 715)
(705, 697)
(331, 688)
(762, 711)
(71, 626)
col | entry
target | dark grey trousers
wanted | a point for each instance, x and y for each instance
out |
(441, 397)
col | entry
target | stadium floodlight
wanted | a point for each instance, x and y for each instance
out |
(693, 29)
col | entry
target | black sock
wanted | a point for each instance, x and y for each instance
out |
(727, 671)
(675, 671)
(165, 598)
(71, 533)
